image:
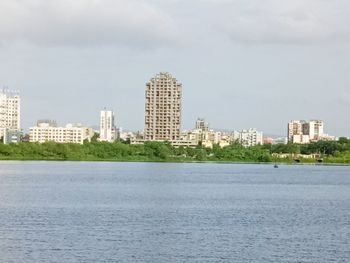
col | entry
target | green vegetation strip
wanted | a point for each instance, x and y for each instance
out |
(328, 152)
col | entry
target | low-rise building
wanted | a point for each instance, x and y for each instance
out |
(205, 136)
(267, 140)
(301, 138)
(10, 135)
(175, 143)
(126, 135)
(202, 125)
(280, 140)
(47, 131)
(247, 138)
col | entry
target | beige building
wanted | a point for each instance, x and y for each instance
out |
(47, 131)
(10, 109)
(205, 136)
(163, 108)
(295, 128)
(202, 125)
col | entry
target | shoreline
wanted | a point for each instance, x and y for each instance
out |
(180, 162)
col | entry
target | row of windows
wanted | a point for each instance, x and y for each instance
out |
(163, 118)
(55, 134)
(159, 137)
(163, 82)
(161, 96)
(38, 139)
(161, 100)
(163, 122)
(165, 108)
(174, 129)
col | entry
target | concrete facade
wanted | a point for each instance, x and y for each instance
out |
(248, 138)
(10, 112)
(48, 132)
(163, 108)
(108, 131)
(300, 131)
(295, 127)
(203, 135)
(202, 125)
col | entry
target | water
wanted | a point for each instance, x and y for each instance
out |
(155, 212)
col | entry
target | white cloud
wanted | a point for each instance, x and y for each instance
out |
(294, 21)
(154, 23)
(85, 22)
(265, 21)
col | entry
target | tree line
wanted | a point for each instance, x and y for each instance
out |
(329, 151)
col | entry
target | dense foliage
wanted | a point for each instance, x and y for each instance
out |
(329, 151)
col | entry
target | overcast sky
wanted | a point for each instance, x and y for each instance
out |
(242, 63)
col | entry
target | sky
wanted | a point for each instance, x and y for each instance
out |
(242, 63)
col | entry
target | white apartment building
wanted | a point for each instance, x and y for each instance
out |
(108, 131)
(314, 129)
(47, 131)
(10, 109)
(250, 137)
(300, 131)
(301, 138)
(163, 108)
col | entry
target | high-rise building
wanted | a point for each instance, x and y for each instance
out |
(163, 108)
(108, 131)
(9, 112)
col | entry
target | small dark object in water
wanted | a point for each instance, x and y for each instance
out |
(275, 166)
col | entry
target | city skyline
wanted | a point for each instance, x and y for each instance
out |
(152, 86)
(242, 65)
(163, 97)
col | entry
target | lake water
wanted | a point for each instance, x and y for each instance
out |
(157, 212)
